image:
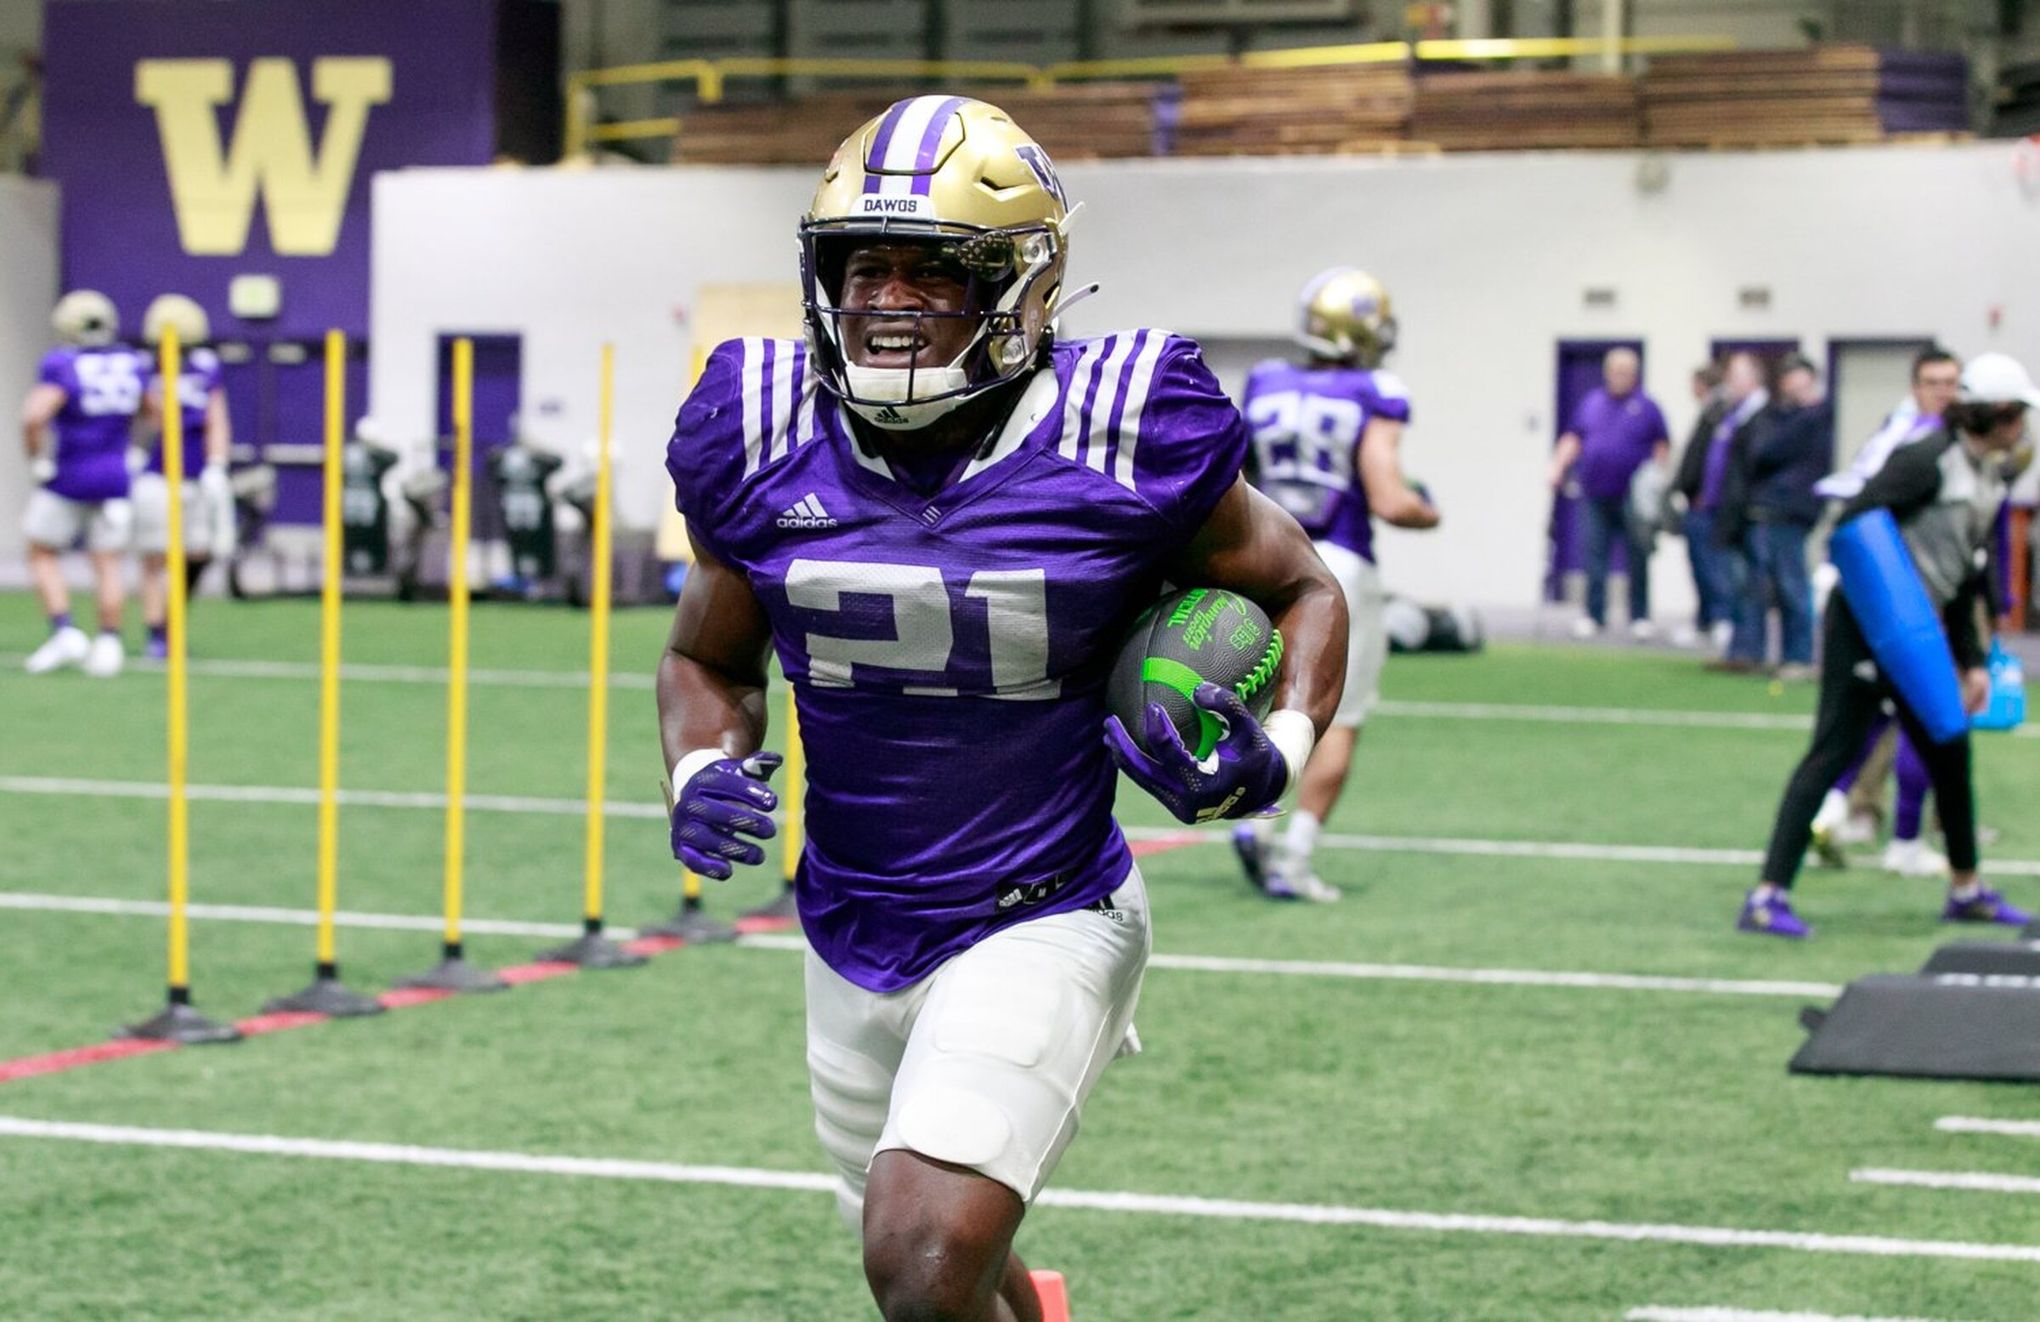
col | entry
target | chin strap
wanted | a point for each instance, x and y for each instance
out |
(1066, 302)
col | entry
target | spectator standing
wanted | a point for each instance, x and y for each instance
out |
(1791, 445)
(1708, 397)
(1714, 525)
(1615, 431)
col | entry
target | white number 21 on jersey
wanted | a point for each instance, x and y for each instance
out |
(1012, 661)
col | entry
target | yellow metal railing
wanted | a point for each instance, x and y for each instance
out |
(709, 76)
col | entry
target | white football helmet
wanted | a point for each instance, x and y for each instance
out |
(87, 318)
(185, 314)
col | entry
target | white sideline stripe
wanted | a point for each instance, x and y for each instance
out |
(241, 913)
(1224, 1209)
(370, 672)
(510, 803)
(1653, 1313)
(251, 913)
(1977, 1181)
(1967, 1124)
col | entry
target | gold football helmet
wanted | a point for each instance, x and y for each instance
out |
(176, 310)
(1344, 314)
(961, 177)
(87, 318)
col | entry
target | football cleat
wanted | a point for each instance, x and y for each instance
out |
(68, 646)
(1307, 886)
(1772, 917)
(1986, 906)
(105, 657)
(1252, 851)
(1912, 858)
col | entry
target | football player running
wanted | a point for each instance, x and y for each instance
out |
(1327, 435)
(943, 519)
(208, 438)
(75, 427)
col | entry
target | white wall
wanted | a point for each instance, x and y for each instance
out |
(1487, 257)
(28, 287)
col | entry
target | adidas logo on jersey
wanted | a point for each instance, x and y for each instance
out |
(807, 513)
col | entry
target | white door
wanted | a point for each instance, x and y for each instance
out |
(1870, 381)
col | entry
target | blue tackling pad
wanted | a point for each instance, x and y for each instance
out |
(1899, 621)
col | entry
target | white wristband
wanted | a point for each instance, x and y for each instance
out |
(689, 763)
(1294, 735)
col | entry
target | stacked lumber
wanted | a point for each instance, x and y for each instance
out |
(1821, 94)
(1076, 121)
(1526, 109)
(1236, 111)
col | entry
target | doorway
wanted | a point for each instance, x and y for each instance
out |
(1578, 375)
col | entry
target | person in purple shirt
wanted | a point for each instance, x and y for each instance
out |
(75, 427)
(208, 497)
(943, 519)
(1327, 442)
(1614, 431)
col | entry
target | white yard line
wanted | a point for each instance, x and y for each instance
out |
(1967, 1124)
(1542, 713)
(1654, 1313)
(1222, 1209)
(297, 796)
(1975, 1181)
(237, 913)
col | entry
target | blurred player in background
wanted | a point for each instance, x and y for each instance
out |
(1944, 490)
(944, 520)
(1849, 813)
(1327, 436)
(208, 495)
(76, 427)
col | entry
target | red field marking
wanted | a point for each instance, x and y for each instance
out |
(519, 974)
(403, 998)
(753, 926)
(257, 1025)
(56, 1062)
(1163, 844)
(653, 945)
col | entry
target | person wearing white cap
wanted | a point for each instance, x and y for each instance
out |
(1944, 492)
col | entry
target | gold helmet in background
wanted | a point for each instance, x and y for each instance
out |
(185, 314)
(1344, 314)
(961, 177)
(87, 318)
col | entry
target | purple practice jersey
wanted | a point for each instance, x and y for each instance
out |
(949, 652)
(1307, 424)
(200, 377)
(102, 393)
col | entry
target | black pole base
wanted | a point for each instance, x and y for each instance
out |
(454, 974)
(328, 997)
(592, 951)
(781, 911)
(183, 1025)
(693, 926)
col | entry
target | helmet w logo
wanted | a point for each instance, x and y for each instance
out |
(212, 188)
(1037, 161)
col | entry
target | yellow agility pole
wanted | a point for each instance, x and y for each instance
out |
(453, 972)
(327, 995)
(178, 1022)
(594, 950)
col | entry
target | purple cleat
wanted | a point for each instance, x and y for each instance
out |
(1772, 917)
(1246, 843)
(158, 649)
(1986, 906)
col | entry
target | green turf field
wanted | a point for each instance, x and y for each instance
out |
(1664, 1106)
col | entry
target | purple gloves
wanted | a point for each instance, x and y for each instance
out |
(718, 806)
(1248, 777)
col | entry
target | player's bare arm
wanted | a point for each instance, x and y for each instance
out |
(711, 682)
(1389, 494)
(711, 690)
(37, 412)
(1250, 546)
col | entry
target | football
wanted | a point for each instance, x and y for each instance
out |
(1185, 639)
